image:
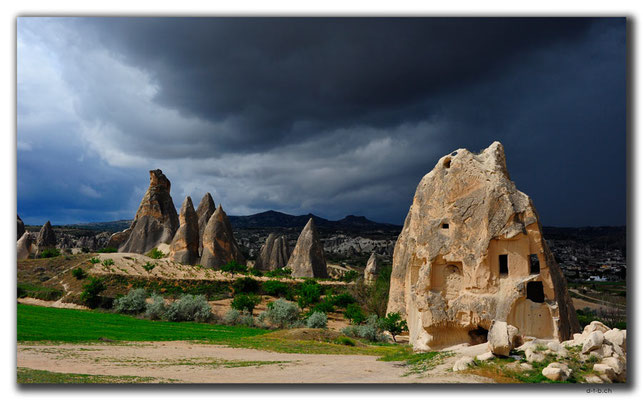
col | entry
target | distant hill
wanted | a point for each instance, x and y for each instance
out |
(267, 219)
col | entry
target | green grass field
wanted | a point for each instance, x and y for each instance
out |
(37, 323)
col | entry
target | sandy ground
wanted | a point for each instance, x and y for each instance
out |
(186, 362)
(49, 303)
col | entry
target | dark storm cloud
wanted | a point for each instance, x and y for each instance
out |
(331, 116)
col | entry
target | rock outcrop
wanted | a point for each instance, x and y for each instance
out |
(46, 238)
(156, 220)
(25, 246)
(307, 259)
(219, 245)
(204, 211)
(273, 254)
(21, 228)
(185, 245)
(372, 269)
(471, 251)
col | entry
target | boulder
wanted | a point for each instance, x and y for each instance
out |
(532, 355)
(498, 339)
(616, 337)
(46, 238)
(595, 326)
(372, 270)
(593, 341)
(21, 228)
(605, 371)
(485, 356)
(472, 251)
(156, 220)
(273, 254)
(25, 246)
(463, 363)
(307, 259)
(118, 238)
(184, 248)
(219, 244)
(204, 211)
(557, 372)
(617, 365)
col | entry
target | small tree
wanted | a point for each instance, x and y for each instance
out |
(309, 293)
(393, 323)
(245, 302)
(355, 314)
(91, 290)
(79, 273)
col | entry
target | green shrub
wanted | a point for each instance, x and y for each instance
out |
(245, 302)
(355, 314)
(107, 262)
(308, 293)
(325, 306)
(277, 289)
(49, 253)
(245, 285)
(255, 272)
(373, 298)
(317, 320)
(148, 266)
(94, 260)
(279, 273)
(346, 341)
(107, 250)
(79, 273)
(246, 319)
(369, 331)
(155, 254)
(132, 303)
(393, 323)
(189, 308)
(90, 294)
(350, 276)
(342, 300)
(156, 309)
(282, 313)
(234, 268)
(232, 317)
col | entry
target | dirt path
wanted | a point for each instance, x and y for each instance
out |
(187, 362)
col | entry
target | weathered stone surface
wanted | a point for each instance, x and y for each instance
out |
(184, 248)
(118, 238)
(204, 211)
(46, 238)
(372, 269)
(21, 228)
(446, 279)
(605, 371)
(615, 336)
(595, 326)
(485, 356)
(532, 355)
(463, 363)
(557, 372)
(273, 254)
(219, 244)
(307, 259)
(593, 341)
(156, 220)
(498, 339)
(25, 246)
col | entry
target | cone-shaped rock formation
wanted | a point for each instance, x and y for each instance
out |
(185, 246)
(372, 268)
(219, 245)
(471, 252)
(25, 246)
(156, 220)
(307, 259)
(273, 254)
(46, 238)
(204, 212)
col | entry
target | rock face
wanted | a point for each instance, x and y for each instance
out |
(185, 245)
(21, 228)
(273, 254)
(372, 269)
(219, 245)
(25, 246)
(471, 251)
(307, 259)
(204, 211)
(46, 238)
(156, 220)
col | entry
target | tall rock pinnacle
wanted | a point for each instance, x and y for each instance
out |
(219, 245)
(204, 212)
(185, 245)
(273, 254)
(307, 259)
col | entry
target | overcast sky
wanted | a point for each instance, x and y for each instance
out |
(329, 116)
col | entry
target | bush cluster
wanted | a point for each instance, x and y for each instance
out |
(278, 289)
(279, 273)
(155, 254)
(355, 314)
(156, 309)
(49, 253)
(234, 268)
(282, 313)
(309, 293)
(79, 273)
(245, 285)
(189, 308)
(90, 294)
(132, 303)
(317, 320)
(246, 302)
